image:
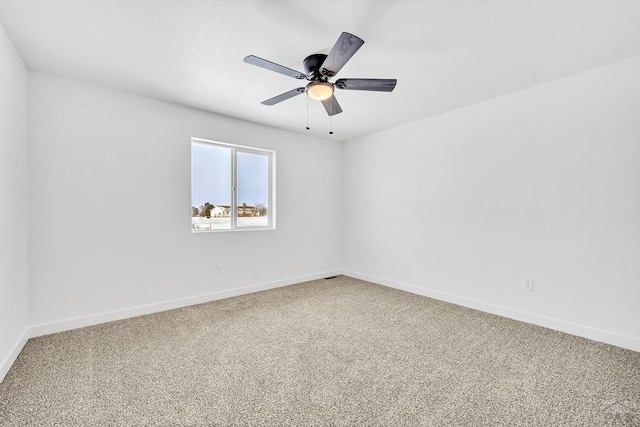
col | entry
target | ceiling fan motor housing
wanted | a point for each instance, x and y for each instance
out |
(312, 64)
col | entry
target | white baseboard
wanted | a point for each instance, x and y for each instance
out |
(95, 319)
(6, 364)
(558, 325)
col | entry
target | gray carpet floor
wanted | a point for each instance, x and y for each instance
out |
(339, 352)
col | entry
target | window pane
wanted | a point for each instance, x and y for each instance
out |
(210, 187)
(253, 189)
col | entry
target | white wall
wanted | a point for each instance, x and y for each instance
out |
(13, 203)
(542, 183)
(110, 227)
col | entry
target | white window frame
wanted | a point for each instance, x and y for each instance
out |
(271, 185)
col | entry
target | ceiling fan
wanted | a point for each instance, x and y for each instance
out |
(319, 69)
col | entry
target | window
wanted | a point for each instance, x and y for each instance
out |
(232, 187)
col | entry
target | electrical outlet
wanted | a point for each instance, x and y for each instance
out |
(527, 284)
(218, 269)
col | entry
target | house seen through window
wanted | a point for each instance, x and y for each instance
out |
(232, 187)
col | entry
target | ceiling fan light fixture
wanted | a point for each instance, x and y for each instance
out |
(320, 90)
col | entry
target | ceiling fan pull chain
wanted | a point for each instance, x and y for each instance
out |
(307, 111)
(331, 120)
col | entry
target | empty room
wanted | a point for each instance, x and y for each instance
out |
(282, 213)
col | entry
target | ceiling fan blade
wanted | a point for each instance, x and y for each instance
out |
(332, 106)
(378, 85)
(263, 63)
(283, 96)
(341, 52)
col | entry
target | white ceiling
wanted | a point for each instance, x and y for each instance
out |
(445, 54)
